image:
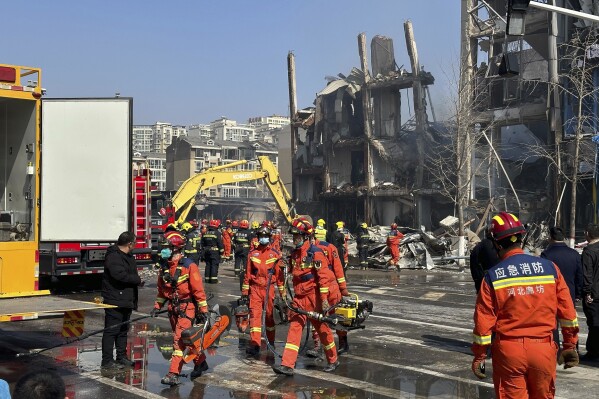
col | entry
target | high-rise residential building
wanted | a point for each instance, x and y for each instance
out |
(143, 137)
(229, 130)
(163, 135)
(265, 127)
(202, 131)
(156, 163)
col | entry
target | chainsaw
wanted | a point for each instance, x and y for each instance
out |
(202, 336)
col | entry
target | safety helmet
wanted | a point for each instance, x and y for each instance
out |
(242, 317)
(194, 223)
(506, 225)
(235, 223)
(320, 222)
(171, 227)
(273, 225)
(228, 221)
(393, 226)
(213, 223)
(301, 226)
(340, 224)
(364, 226)
(175, 239)
(204, 222)
(265, 223)
(218, 223)
(255, 224)
(244, 224)
(186, 226)
(264, 231)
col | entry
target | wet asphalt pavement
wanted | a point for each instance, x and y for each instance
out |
(415, 345)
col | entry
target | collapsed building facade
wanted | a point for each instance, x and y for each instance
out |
(520, 91)
(356, 157)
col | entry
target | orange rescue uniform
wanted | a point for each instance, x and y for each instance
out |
(276, 239)
(227, 233)
(518, 301)
(393, 241)
(311, 281)
(181, 308)
(262, 266)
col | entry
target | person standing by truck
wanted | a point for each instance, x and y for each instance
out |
(119, 288)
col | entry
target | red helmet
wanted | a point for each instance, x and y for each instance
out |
(506, 225)
(204, 222)
(244, 224)
(175, 239)
(301, 226)
(235, 223)
(393, 226)
(266, 223)
(214, 223)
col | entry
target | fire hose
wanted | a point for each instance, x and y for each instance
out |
(69, 341)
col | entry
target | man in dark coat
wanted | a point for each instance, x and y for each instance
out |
(590, 290)
(569, 262)
(482, 258)
(567, 259)
(119, 288)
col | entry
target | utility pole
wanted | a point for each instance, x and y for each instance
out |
(292, 113)
(368, 172)
(420, 111)
(554, 113)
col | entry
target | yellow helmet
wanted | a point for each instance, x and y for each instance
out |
(186, 226)
(364, 225)
(340, 224)
(255, 224)
(320, 222)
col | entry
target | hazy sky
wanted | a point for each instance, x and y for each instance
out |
(193, 61)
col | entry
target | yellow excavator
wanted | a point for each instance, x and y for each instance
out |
(185, 198)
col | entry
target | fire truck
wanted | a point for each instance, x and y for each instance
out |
(66, 190)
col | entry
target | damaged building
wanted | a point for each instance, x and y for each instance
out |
(357, 157)
(521, 92)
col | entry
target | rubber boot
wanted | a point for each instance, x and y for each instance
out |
(316, 351)
(288, 371)
(171, 379)
(343, 345)
(331, 367)
(198, 369)
(252, 350)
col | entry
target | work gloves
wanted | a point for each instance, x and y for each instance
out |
(478, 367)
(569, 358)
(325, 306)
(201, 317)
(345, 292)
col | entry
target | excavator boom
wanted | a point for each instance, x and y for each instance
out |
(184, 199)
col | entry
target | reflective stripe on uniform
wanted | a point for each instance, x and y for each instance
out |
(324, 290)
(245, 287)
(329, 346)
(510, 282)
(257, 260)
(292, 347)
(255, 329)
(202, 304)
(178, 353)
(183, 279)
(481, 340)
(341, 280)
(568, 323)
(306, 266)
(271, 260)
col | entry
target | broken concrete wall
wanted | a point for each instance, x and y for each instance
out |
(386, 101)
(340, 167)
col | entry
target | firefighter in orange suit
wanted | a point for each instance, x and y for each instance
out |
(180, 284)
(337, 289)
(262, 266)
(311, 281)
(276, 236)
(393, 241)
(518, 301)
(227, 234)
